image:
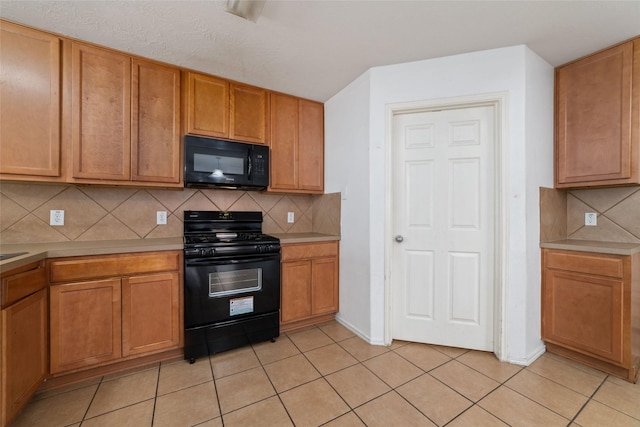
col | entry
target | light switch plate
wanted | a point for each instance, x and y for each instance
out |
(290, 217)
(56, 217)
(591, 219)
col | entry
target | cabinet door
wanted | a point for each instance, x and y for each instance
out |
(30, 107)
(297, 145)
(24, 352)
(150, 313)
(284, 142)
(324, 296)
(296, 290)
(584, 313)
(101, 113)
(597, 127)
(248, 113)
(85, 324)
(311, 146)
(207, 106)
(155, 125)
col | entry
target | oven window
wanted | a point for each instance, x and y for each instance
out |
(224, 283)
(224, 164)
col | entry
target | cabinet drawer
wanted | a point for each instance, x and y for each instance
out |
(309, 250)
(30, 279)
(84, 268)
(581, 262)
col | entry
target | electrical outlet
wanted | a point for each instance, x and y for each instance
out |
(56, 217)
(290, 217)
(161, 217)
(591, 219)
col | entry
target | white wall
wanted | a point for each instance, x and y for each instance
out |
(346, 171)
(539, 173)
(528, 81)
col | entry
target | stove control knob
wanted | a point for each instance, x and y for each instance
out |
(191, 252)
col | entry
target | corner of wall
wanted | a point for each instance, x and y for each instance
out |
(326, 214)
(553, 214)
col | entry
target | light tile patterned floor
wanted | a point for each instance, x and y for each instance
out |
(326, 375)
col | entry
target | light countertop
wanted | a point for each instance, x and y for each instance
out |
(305, 237)
(38, 251)
(614, 248)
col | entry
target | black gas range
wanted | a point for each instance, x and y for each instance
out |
(231, 283)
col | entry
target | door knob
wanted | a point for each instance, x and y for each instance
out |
(399, 238)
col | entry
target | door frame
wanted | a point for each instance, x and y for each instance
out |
(499, 102)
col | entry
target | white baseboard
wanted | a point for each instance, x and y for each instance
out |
(529, 359)
(356, 331)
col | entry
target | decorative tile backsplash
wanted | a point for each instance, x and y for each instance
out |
(617, 209)
(107, 213)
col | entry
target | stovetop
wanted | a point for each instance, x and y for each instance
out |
(219, 233)
(227, 238)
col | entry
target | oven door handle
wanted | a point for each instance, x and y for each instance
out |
(219, 261)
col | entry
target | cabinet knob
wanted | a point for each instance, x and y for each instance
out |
(399, 238)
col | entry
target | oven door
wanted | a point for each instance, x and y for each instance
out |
(223, 289)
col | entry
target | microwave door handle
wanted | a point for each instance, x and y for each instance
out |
(249, 164)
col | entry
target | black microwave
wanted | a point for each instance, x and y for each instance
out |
(210, 162)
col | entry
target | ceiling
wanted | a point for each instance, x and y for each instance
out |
(313, 49)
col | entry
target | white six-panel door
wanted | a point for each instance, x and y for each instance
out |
(442, 269)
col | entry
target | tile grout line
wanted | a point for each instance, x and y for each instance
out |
(270, 382)
(322, 376)
(588, 400)
(155, 396)
(476, 404)
(95, 393)
(391, 388)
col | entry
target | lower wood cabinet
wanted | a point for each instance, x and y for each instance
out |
(85, 324)
(128, 305)
(309, 283)
(24, 349)
(591, 309)
(150, 313)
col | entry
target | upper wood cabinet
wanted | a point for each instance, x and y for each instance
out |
(297, 145)
(598, 119)
(100, 113)
(155, 123)
(249, 107)
(207, 105)
(30, 107)
(124, 122)
(222, 109)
